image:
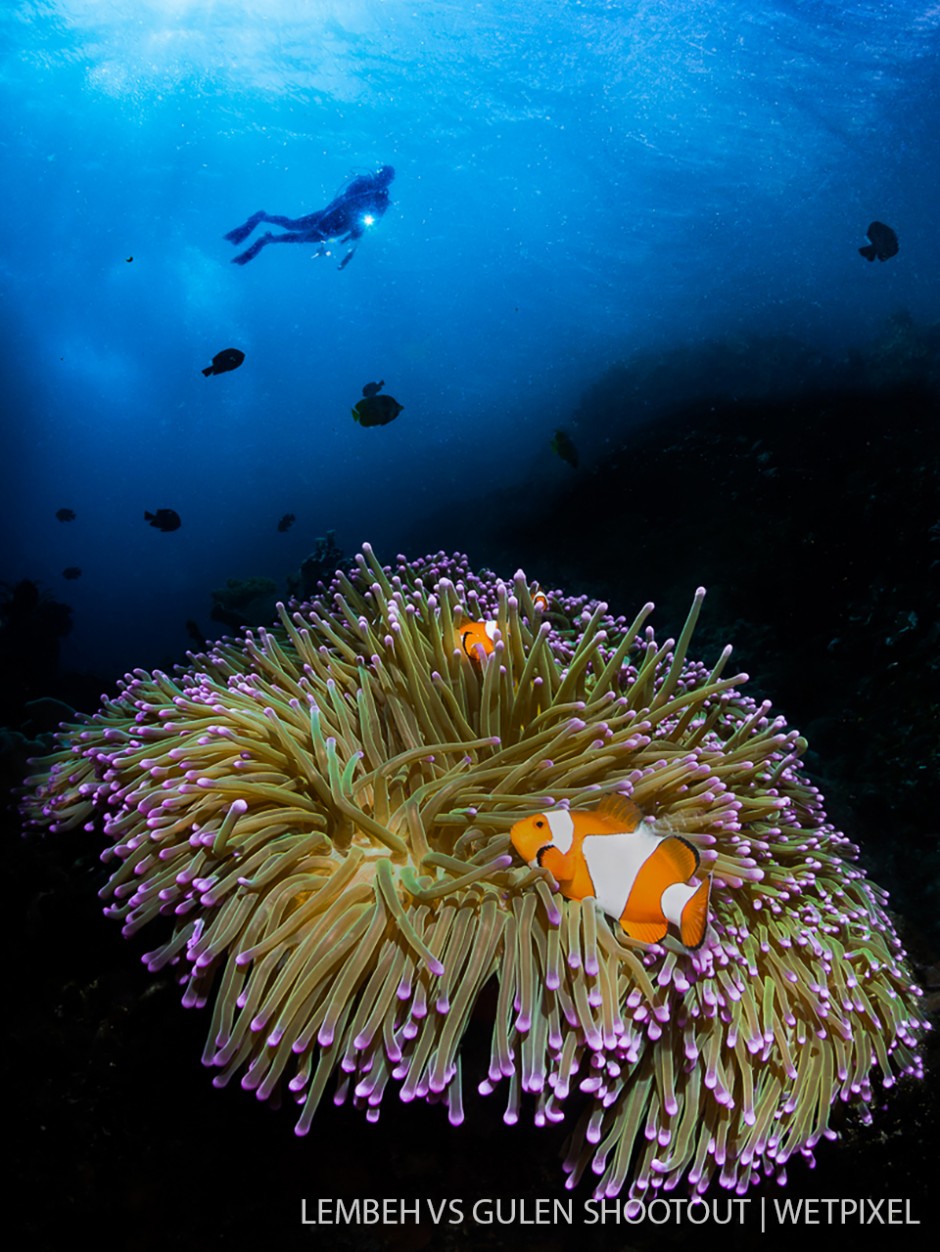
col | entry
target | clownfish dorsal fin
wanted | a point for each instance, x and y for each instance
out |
(645, 932)
(618, 811)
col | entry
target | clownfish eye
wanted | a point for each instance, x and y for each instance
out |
(539, 825)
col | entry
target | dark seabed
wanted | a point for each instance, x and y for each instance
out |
(640, 227)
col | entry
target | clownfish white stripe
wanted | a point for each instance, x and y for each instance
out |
(613, 862)
(561, 824)
(674, 900)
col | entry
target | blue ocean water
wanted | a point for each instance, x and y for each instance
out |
(576, 184)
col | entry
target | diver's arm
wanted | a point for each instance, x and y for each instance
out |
(355, 234)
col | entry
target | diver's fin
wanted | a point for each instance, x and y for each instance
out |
(242, 232)
(869, 252)
(250, 253)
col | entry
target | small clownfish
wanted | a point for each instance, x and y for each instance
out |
(636, 875)
(539, 598)
(473, 635)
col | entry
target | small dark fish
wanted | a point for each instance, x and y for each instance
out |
(72, 572)
(884, 242)
(192, 629)
(164, 519)
(222, 362)
(563, 447)
(376, 410)
(373, 389)
(286, 522)
(128, 259)
(65, 515)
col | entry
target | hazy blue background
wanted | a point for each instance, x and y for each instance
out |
(576, 183)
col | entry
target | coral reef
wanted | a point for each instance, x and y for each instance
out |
(32, 626)
(904, 352)
(319, 815)
(244, 602)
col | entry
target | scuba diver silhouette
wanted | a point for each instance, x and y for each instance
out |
(343, 220)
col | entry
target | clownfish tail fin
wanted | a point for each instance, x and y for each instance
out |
(694, 917)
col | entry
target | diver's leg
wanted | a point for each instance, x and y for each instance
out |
(242, 232)
(293, 237)
(296, 236)
(305, 224)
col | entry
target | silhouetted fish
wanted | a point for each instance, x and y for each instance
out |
(192, 629)
(884, 242)
(373, 389)
(286, 522)
(65, 515)
(72, 572)
(561, 445)
(376, 410)
(164, 519)
(222, 362)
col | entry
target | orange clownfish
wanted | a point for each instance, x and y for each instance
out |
(635, 874)
(539, 598)
(473, 635)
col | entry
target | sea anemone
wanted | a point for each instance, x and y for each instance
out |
(320, 813)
